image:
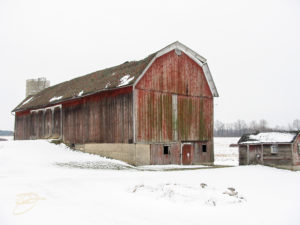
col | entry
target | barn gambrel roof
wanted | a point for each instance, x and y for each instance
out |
(126, 74)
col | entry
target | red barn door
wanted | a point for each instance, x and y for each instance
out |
(187, 154)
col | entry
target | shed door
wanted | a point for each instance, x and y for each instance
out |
(255, 154)
(187, 154)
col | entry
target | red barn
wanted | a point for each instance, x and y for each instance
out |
(158, 110)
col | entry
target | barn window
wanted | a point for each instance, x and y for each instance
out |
(298, 148)
(204, 149)
(274, 149)
(166, 150)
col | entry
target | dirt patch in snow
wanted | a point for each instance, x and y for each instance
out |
(203, 193)
(115, 166)
(94, 165)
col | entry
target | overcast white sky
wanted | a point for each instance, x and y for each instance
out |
(252, 47)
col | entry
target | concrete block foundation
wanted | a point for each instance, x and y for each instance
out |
(134, 154)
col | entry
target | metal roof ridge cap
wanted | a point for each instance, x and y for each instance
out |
(195, 54)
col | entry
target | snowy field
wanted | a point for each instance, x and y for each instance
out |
(225, 155)
(9, 138)
(43, 183)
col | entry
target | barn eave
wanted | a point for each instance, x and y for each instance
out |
(66, 99)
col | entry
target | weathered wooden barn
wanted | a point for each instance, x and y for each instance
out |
(280, 149)
(158, 110)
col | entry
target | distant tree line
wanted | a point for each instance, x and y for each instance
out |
(6, 133)
(240, 127)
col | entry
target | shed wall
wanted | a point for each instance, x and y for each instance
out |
(296, 153)
(283, 157)
(243, 155)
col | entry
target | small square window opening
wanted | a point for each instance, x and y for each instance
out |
(166, 150)
(274, 149)
(298, 148)
(204, 148)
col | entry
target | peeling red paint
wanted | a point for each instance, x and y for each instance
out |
(102, 118)
(175, 74)
(171, 75)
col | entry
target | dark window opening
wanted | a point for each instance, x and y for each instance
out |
(166, 150)
(204, 148)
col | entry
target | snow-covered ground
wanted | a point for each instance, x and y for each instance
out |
(9, 138)
(43, 183)
(225, 155)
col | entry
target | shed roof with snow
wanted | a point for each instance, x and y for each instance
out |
(269, 138)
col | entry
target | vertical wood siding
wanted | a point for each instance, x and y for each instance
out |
(56, 123)
(243, 155)
(202, 157)
(155, 121)
(48, 123)
(283, 157)
(157, 155)
(22, 124)
(173, 81)
(33, 125)
(103, 118)
(173, 104)
(38, 124)
(296, 154)
(175, 74)
(255, 150)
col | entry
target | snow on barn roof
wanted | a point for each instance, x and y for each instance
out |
(268, 137)
(110, 78)
(126, 74)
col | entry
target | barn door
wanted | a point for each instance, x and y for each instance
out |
(186, 154)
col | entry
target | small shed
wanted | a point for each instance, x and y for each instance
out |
(279, 149)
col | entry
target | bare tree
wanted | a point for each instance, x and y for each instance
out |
(219, 128)
(296, 124)
(240, 127)
(263, 125)
(253, 126)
